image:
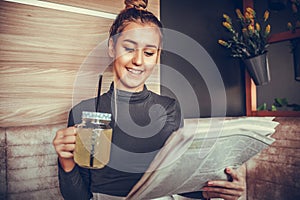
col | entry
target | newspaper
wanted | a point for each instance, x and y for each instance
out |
(200, 151)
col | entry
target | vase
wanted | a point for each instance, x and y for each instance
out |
(258, 68)
(296, 58)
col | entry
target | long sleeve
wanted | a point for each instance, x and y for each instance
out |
(74, 184)
(134, 146)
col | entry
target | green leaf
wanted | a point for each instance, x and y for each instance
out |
(273, 108)
(262, 107)
(280, 102)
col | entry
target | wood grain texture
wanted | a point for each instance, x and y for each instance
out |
(50, 60)
(274, 173)
(110, 6)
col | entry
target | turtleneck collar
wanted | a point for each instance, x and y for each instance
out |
(132, 97)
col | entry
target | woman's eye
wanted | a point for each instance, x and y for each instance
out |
(129, 49)
(149, 53)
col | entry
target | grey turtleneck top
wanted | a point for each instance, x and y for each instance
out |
(141, 124)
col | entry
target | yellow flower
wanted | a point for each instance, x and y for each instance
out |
(227, 18)
(268, 29)
(223, 43)
(239, 14)
(251, 13)
(289, 26)
(250, 38)
(252, 16)
(257, 26)
(227, 25)
(247, 16)
(250, 10)
(266, 15)
(251, 29)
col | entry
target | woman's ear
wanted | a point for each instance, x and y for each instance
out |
(158, 55)
(111, 49)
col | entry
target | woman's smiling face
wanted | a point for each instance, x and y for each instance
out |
(135, 54)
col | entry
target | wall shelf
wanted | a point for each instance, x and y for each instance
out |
(283, 36)
(276, 113)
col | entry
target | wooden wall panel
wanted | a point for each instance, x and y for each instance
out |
(41, 52)
(45, 55)
(111, 6)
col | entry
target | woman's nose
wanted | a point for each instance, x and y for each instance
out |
(138, 57)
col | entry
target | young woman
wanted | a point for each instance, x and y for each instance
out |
(141, 120)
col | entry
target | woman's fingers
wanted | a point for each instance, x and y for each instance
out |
(233, 173)
(66, 132)
(68, 139)
(226, 184)
(64, 142)
(224, 188)
(66, 154)
(65, 135)
(68, 147)
(65, 150)
(228, 190)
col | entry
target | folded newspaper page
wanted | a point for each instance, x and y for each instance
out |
(200, 151)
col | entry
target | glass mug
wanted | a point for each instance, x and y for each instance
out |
(93, 140)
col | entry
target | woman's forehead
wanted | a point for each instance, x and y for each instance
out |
(143, 34)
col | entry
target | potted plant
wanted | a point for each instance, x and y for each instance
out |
(249, 42)
(292, 25)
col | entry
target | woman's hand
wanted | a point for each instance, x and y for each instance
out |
(64, 144)
(228, 190)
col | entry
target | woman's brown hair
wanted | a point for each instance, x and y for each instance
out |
(135, 11)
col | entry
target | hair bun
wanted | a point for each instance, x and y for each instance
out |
(138, 4)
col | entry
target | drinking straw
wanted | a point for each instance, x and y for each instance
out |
(99, 91)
